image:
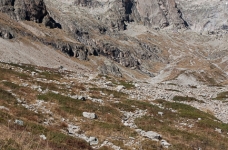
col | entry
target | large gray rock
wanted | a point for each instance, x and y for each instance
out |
(89, 115)
(72, 129)
(152, 135)
(93, 141)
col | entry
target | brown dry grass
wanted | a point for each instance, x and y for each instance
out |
(21, 140)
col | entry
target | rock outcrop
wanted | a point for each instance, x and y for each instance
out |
(208, 17)
(160, 14)
(156, 14)
(31, 10)
(110, 69)
(98, 27)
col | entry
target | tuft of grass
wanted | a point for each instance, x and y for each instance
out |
(24, 67)
(109, 129)
(150, 145)
(186, 99)
(50, 75)
(11, 85)
(124, 106)
(6, 96)
(222, 96)
(50, 86)
(127, 85)
(9, 73)
(186, 111)
(109, 92)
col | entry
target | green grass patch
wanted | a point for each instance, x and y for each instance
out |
(50, 86)
(180, 139)
(50, 75)
(67, 104)
(24, 67)
(186, 99)
(76, 107)
(206, 123)
(110, 128)
(124, 106)
(127, 85)
(186, 111)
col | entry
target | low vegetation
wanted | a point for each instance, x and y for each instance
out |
(186, 99)
(201, 135)
(115, 94)
(222, 96)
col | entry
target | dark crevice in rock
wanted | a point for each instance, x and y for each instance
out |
(128, 4)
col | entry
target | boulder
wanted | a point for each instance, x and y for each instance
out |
(72, 129)
(89, 115)
(165, 144)
(119, 87)
(93, 141)
(152, 135)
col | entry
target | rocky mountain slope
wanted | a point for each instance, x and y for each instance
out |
(130, 60)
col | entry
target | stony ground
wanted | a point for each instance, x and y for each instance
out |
(106, 112)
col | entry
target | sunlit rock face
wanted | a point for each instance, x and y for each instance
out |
(205, 16)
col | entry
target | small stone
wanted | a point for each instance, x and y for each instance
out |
(33, 73)
(165, 144)
(19, 122)
(119, 87)
(82, 98)
(108, 83)
(73, 129)
(43, 137)
(39, 89)
(218, 130)
(160, 113)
